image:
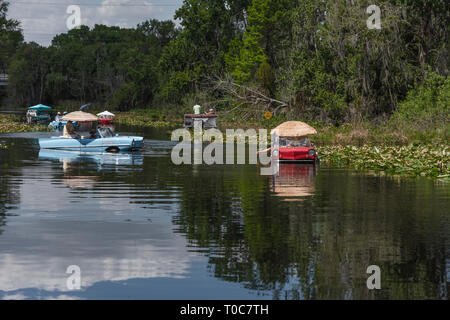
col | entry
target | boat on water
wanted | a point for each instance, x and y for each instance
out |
(88, 137)
(57, 125)
(206, 120)
(38, 114)
(106, 117)
(293, 142)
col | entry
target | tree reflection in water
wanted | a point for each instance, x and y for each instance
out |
(9, 198)
(308, 236)
(310, 233)
(9, 190)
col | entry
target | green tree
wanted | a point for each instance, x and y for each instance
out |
(27, 71)
(109, 65)
(198, 53)
(267, 26)
(10, 39)
(428, 105)
(10, 36)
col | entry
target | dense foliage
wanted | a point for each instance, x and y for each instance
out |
(315, 60)
(427, 105)
(105, 65)
(10, 39)
(10, 36)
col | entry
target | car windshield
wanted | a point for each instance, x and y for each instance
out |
(105, 132)
(295, 142)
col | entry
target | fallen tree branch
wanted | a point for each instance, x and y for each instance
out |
(246, 95)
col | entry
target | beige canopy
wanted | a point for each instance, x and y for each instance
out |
(294, 129)
(79, 116)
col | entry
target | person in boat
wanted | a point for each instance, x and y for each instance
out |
(291, 143)
(58, 116)
(197, 109)
(69, 131)
(93, 134)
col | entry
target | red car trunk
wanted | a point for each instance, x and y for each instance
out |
(300, 153)
(106, 121)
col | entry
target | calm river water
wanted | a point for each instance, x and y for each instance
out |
(140, 227)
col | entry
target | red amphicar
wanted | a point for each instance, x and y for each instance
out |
(294, 142)
(106, 117)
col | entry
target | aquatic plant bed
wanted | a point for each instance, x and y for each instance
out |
(145, 119)
(411, 160)
(10, 124)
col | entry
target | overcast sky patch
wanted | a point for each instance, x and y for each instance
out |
(41, 20)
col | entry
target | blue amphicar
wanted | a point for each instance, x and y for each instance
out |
(87, 139)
